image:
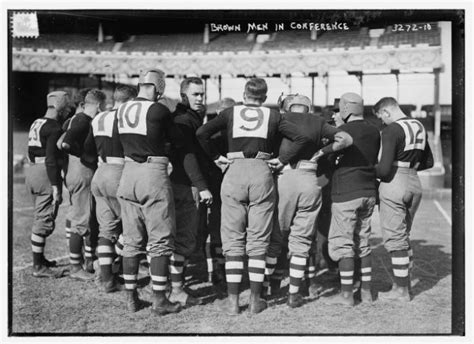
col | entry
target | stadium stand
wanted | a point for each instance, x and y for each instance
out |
(193, 42)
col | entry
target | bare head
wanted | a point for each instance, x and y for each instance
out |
(192, 93)
(255, 91)
(123, 94)
(151, 84)
(388, 110)
(94, 102)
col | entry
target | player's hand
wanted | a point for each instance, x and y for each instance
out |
(316, 156)
(223, 163)
(206, 197)
(275, 165)
(57, 197)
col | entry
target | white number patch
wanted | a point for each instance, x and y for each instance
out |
(34, 134)
(132, 117)
(103, 123)
(415, 134)
(250, 122)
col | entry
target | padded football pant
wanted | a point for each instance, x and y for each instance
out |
(147, 206)
(104, 188)
(78, 182)
(298, 207)
(399, 201)
(248, 201)
(350, 228)
(38, 184)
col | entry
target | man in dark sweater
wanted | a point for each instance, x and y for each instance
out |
(190, 187)
(353, 195)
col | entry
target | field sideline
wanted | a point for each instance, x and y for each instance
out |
(64, 306)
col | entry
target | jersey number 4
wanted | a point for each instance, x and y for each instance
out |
(34, 134)
(132, 117)
(415, 134)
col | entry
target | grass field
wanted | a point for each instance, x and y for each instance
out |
(63, 306)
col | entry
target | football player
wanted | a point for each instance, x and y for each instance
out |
(43, 178)
(145, 193)
(81, 167)
(353, 195)
(103, 139)
(405, 150)
(248, 192)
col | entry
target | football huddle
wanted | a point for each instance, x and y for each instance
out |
(268, 192)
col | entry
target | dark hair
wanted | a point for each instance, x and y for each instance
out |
(96, 95)
(124, 93)
(191, 80)
(80, 96)
(256, 88)
(383, 103)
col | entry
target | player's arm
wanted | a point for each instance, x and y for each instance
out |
(78, 129)
(389, 142)
(205, 132)
(290, 131)
(427, 160)
(53, 169)
(338, 140)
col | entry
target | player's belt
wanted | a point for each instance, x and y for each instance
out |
(151, 160)
(111, 160)
(38, 160)
(302, 165)
(405, 164)
(242, 155)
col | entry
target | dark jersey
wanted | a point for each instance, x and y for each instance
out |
(405, 141)
(313, 127)
(188, 121)
(251, 129)
(76, 134)
(144, 128)
(104, 138)
(42, 138)
(354, 176)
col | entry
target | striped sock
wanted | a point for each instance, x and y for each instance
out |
(67, 227)
(88, 252)
(310, 271)
(346, 271)
(119, 245)
(75, 249)
(130, 271)
(400, 263)
(159, 272)
(209, 255)
(37, 247)
(410, 257)
(366, 271)
(297, 268)
(256, 273)
(176, 264)
(270, 263)
(106, 253)
(234, 268)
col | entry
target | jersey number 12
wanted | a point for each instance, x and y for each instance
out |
(415, 134)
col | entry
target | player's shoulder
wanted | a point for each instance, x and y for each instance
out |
(393, 129)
